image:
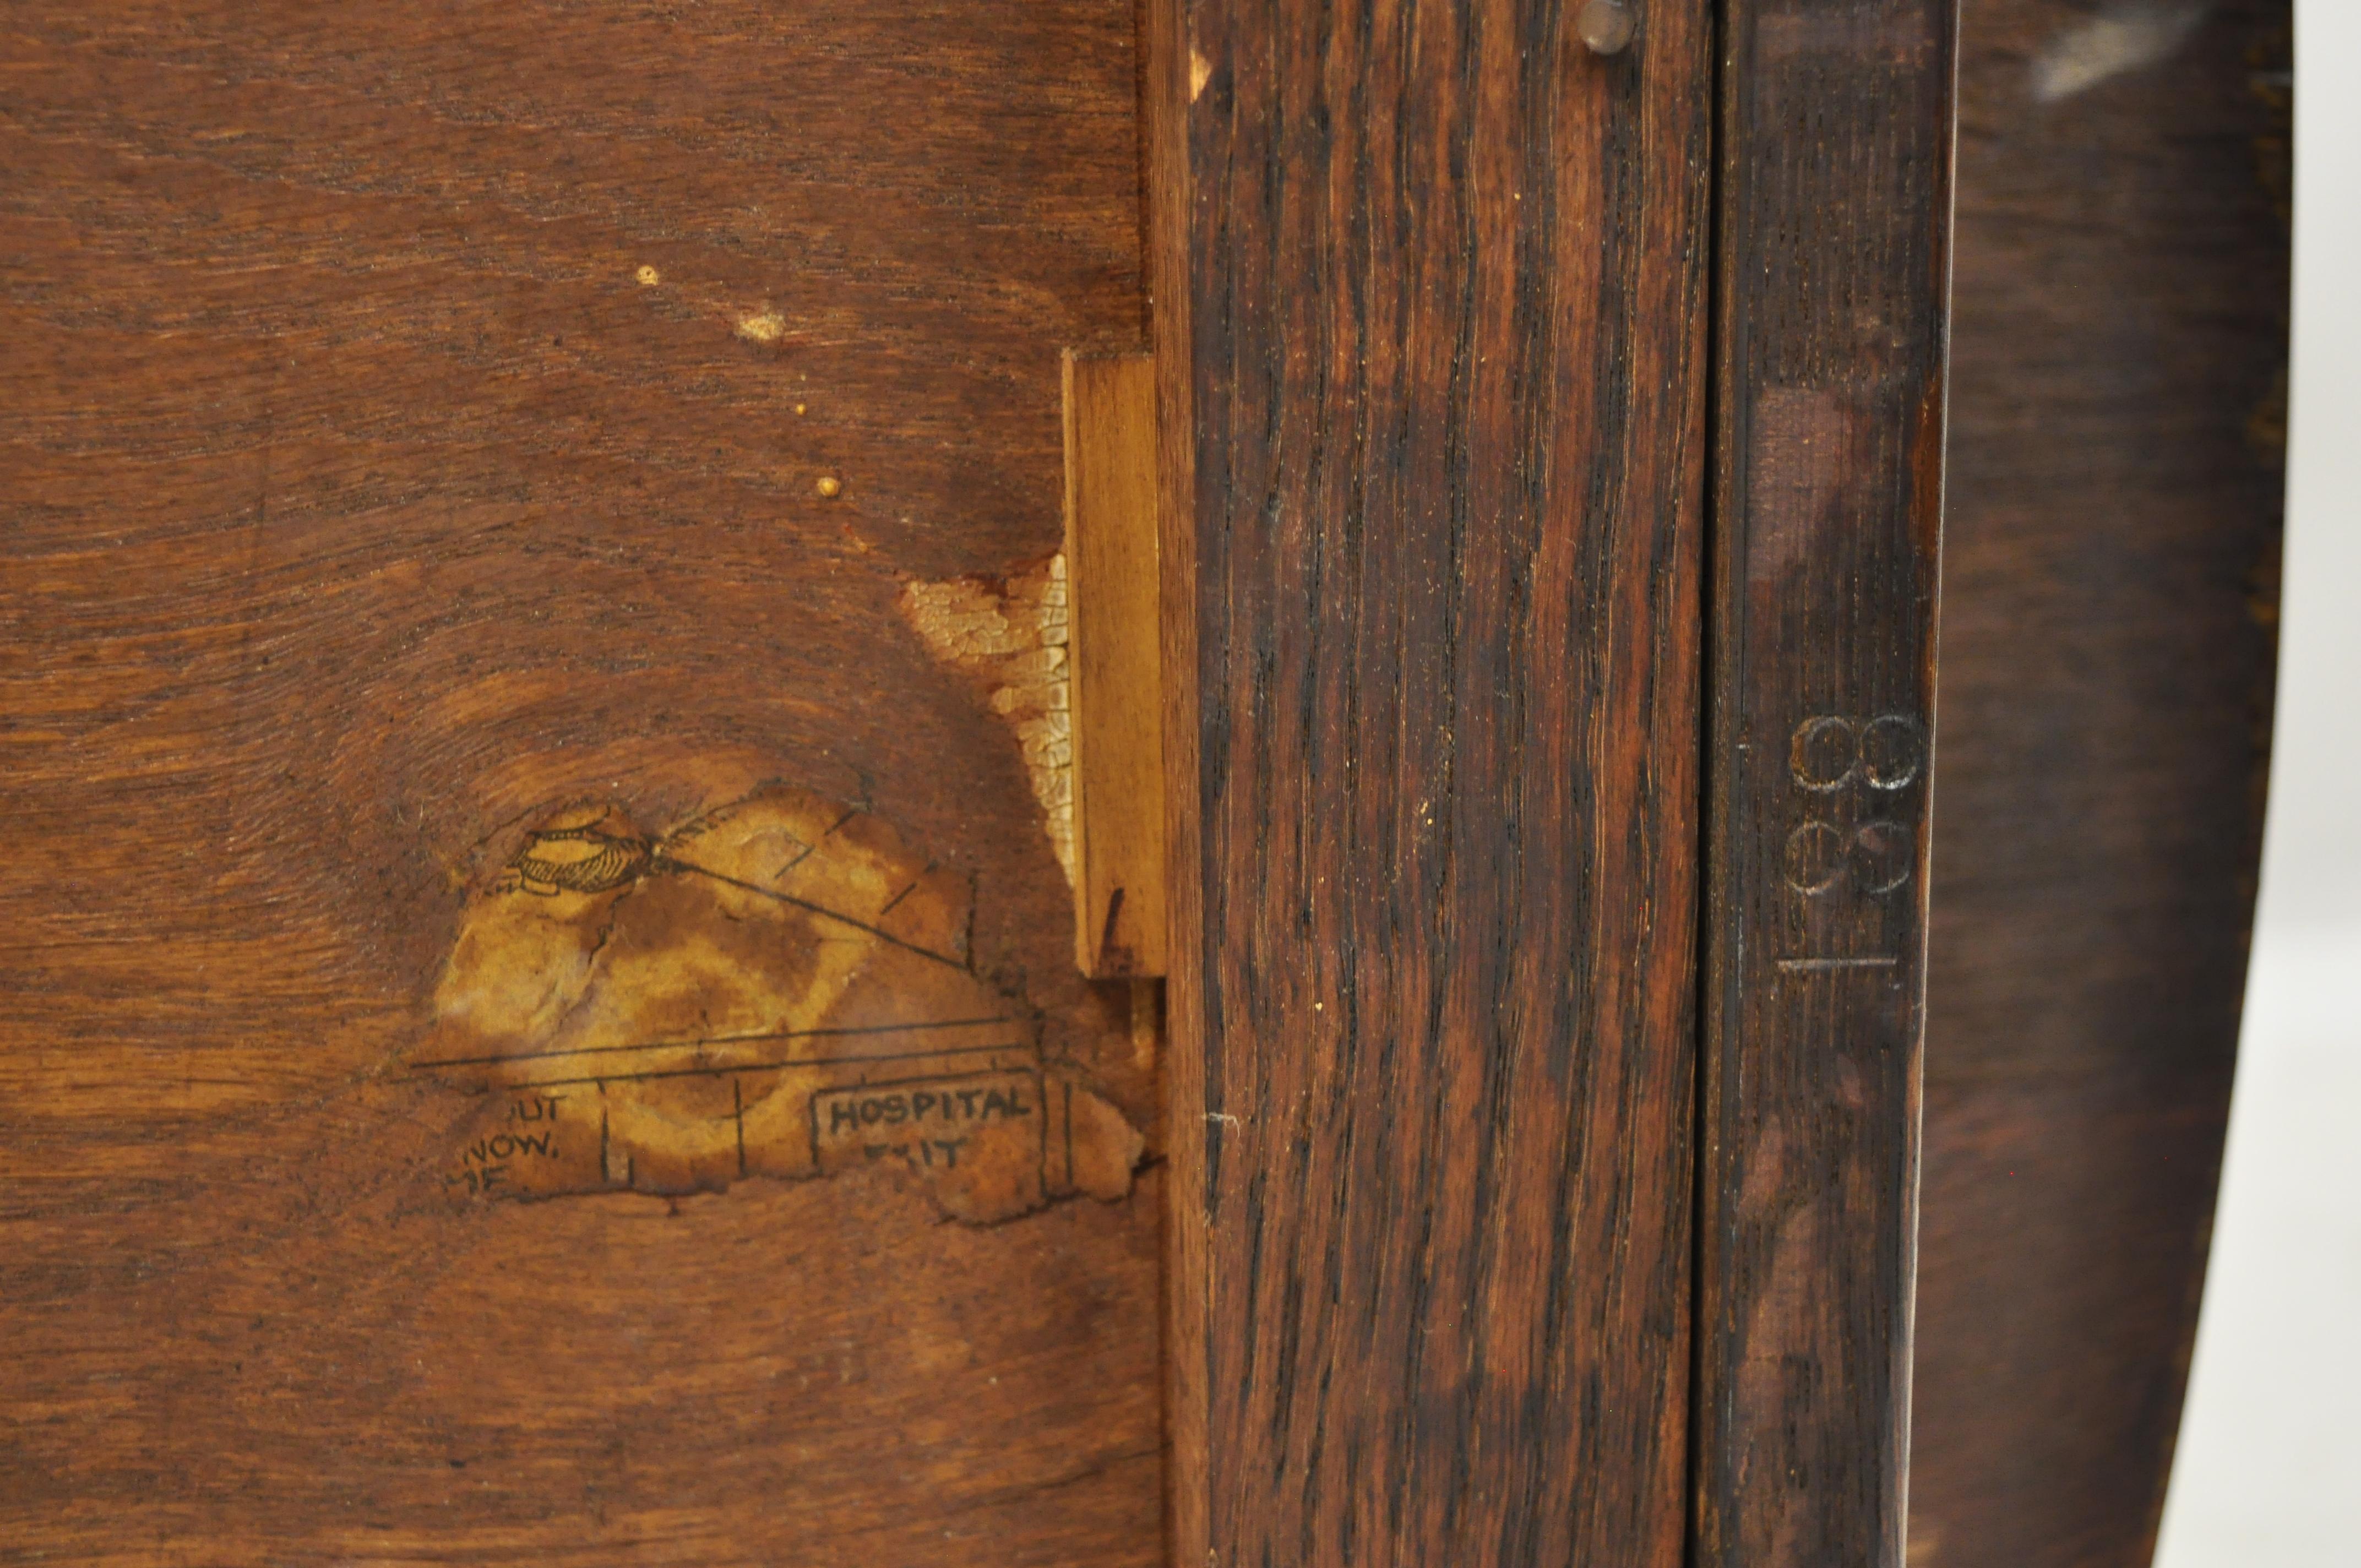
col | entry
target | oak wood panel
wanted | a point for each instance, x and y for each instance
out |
(1430, 299)
(1833, 205)
(2110, 585)
(415, 414)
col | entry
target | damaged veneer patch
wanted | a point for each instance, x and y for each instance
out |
(777, 988)
(1012, 631)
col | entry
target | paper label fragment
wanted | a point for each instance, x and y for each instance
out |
(777, 988)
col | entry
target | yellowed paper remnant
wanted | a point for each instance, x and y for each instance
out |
(779, 987)
(1012, 632)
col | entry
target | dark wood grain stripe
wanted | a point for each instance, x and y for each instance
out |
(1431, 294)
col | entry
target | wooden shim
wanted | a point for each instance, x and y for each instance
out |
(1116, 703)
(1429, 310)
(1833, 208)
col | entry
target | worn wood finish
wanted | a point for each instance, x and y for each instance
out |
(1430, 290)
(2110, 578)
(1832, 204)
(419, 415)
(1117, 661)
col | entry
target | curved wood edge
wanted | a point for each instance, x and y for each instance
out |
(2118, 385)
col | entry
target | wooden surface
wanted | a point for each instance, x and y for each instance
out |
(1431, 286)
(420, 421)
(422, 418)
(1832, 201)
(1117, 695)
(2109, 583)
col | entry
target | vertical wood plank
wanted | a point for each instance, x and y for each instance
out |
(1833, 201)
(1430, 301)
(1168, 66)
(1117, 701)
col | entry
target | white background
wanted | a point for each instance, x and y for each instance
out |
(2268, 1473)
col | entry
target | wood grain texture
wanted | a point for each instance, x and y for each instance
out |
(1833, 205)
(1430, 297)
(418, 416)
(1116, 656)
(2110, 583)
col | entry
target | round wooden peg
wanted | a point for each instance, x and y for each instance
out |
(1607, 26)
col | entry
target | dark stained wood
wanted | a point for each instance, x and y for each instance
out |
(419, 420)
(1430, 294)
(2110, 579)
(358, 498)
(1832, 204)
